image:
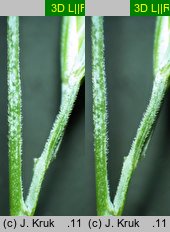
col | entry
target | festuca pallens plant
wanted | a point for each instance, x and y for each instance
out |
(72, 73)
(139, 145)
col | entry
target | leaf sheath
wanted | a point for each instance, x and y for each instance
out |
(14, 117)
(104, 206)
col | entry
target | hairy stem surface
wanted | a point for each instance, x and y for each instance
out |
(41, 164)
(14, 117)
(104, 206)
(74, 75)
(144, 132)
(142, 139)
(73, 71)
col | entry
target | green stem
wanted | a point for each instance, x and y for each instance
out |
(41, 164)
(71, 82)
(142, 138)
(104, 206)
(14, 118)
(144, 132)
(76, 74)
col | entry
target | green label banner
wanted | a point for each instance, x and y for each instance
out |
(64, 7)
(149, 7)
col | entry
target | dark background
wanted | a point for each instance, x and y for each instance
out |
(129, 60)
(69, 186)
(64, 191)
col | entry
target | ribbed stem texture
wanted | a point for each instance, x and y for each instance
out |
(104, 206)
(14, 117)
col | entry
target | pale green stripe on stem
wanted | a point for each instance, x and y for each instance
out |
(104, 206)
(161, 70)
(14, 117)
(72, 83)
(142, 138)
(41, 164)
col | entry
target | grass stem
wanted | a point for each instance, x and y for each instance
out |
(104, 206)
(14, 117)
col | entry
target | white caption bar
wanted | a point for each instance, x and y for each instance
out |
(85, 224)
